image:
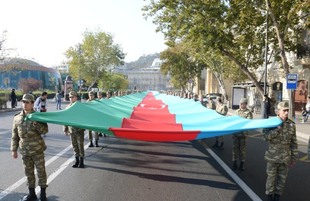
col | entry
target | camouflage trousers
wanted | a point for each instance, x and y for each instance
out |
(77, 141)
(31, 162)
(238, 148)
(90, 135)
(276, 177)
(220, 139)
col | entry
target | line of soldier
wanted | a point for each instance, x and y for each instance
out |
(282, 150)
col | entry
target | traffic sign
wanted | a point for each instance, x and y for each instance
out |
(291, 81)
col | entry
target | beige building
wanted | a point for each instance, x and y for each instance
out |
(149, 78)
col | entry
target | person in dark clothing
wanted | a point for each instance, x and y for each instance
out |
(13, 99)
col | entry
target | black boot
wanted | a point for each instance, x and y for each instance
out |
(221, 147)
(81, 164)
(234, 167)
(270, 197)
(90, 144)
(276, 197)
(216, 144)
(241, 167)
(77, 161)
(96, 143)
(43, 194)
(31, 196)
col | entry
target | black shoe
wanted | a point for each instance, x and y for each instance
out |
(96, 143)
(216, 144)
(43, 194)
(221, 147)
(81, 164)
(276, 197)
(270, 197)
(91, 144)
(77, 161)
(31, 196)
(241, 167)
(234, 167)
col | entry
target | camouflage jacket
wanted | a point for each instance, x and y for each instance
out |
(71, 129)
(247, 114)
(282, 143)
(26, 135)
(222, 109)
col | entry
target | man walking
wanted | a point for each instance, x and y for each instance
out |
(76, 136)
(26, 136)
(221, 109)
(239, 139)
(281, 154)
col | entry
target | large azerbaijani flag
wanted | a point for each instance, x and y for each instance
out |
(151, 116)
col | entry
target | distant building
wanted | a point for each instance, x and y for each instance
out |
(13, 70)
(149, 78)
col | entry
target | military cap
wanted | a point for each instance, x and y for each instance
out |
(28, 97)
(72, 94)
(283, 106)
(243, 100)
(91, 93)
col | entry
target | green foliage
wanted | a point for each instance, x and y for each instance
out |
(114, 81)
(94, 57)
(180, 65)
(232, 29)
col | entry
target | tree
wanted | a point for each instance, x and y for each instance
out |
(180, 65)
(29, 84)
(114, 81)
(2, 40)
(94, 57)
(234, 29)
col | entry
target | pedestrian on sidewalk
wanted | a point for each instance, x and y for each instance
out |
(281, 154)
(58, 98)
(239, 139)
(40, 103)
(13, 99)
(26, 136)
(76, 136)
(223, 110)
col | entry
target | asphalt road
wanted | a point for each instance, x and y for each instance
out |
(133, 170)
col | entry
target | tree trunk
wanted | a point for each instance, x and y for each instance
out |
(283, 57)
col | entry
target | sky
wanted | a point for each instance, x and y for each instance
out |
(42, 30)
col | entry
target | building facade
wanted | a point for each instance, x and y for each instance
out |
(149, 78)
(14, 70)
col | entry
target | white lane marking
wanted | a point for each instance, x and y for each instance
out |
(59, 170)
(302, 137)
(23, 180)
(242, 185)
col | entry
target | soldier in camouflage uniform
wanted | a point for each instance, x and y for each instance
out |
(239, 139)
(282, 152)
(91, 97)
(26, 135)
(77, 137)
(221, 109)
